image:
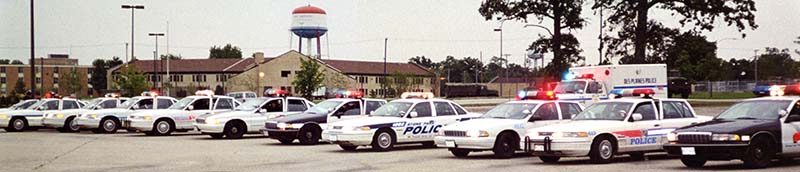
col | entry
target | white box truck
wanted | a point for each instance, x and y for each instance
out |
(594, 83)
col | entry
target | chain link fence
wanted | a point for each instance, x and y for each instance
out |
(732, 86)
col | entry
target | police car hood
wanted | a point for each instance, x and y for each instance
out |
(369, 121)
(585, 126)
(484, 123)
(107, 111)
(744, 127)
(304, 117)
(23, 112)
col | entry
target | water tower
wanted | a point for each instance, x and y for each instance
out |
(309, 22)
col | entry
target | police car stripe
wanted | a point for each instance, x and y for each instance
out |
(577, 99)
(640, 86)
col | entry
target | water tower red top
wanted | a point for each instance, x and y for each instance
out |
(308, 9)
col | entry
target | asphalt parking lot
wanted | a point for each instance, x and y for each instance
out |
(48, 150)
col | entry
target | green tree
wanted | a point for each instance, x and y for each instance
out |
(399, 82)
(703, 15)
(5, 61)
(99, 71)
(309, 78)
(564, 14)
(776, 64)
(225, 52)
(423, 61)
(172, 56)
(131, 81)
(71, 81)
(16, 62)
(19, 87)
(695, 57)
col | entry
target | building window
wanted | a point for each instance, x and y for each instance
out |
(222, 78)
(362, 79)
(20, 70)
(417, 80)
(3, 69)
(285, 73)
(38, 80)
(199, 78)
(55, 80)
(3, 80)
(176, 78)
(55, 70)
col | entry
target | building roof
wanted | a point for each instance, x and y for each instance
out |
(515, 80)
(376, 68)
(197, 65)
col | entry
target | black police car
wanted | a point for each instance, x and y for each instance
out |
(755, 131)
(307, 127)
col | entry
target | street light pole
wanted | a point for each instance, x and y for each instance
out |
(500, 29)
(33, 58)
(155, 59)
(755, 59)
(132, 8)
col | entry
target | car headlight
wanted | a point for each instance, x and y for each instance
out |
(147, 117)
(672, 137)
(362, 128)
(59, 116)
(575, 134)
(440, 133)
(477, 133)
(284, 125)
(726, 137)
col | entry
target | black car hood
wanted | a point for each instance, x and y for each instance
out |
(303, 118)
(742, 126)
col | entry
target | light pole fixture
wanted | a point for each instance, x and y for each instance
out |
(132, 8)
(155, 59)
(500, 29)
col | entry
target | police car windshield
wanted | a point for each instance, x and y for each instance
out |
(605, 111)
(324, 107)
(182, 103)
(129, 103)
(395, 109)
(510, 111)
(250, 104)
(22, 105)
(758, 109)
(570, 87)
(92, 103)
(35, 105)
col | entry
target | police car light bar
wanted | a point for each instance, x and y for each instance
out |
(112, 95)
(543, 95)
(204, 93)
(639, 92)
(350, 94)
(275, 92)
(150, 93)
(419, 95)
(776, 90)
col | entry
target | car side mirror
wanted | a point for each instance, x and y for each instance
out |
(572, 116)
(526, 111)
(190, 107)
(261, 110)
(371, 112)
(413, 114)
(782, 113)
(636, 116)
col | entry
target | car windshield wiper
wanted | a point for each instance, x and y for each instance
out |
(746, 118)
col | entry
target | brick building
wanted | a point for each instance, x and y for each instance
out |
(49, 71)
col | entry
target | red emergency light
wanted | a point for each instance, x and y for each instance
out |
(586, 76)
(644, 92)
(350, 94)
(276, 92)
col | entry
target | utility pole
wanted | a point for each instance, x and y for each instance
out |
(126, 54)
(500, 29)
(156, 74)
(600, 37)
(383, 84)
(755, 59)
(132, 8)
(33, 58)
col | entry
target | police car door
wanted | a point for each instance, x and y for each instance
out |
(347, 110)
(595, 91)
(421, 127)
(201, 106)
(648, 122)
(445, 113)
(272, 108)
(790, 131)
(548, 114)
(674, 114)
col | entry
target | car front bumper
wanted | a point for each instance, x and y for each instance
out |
(139, 124)
(474, 143)
(363, 138)
(4, 122)
(560, 147)
(726, 151)
(279, 134)
(209, 128)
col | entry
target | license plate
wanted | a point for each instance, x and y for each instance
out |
(332, 138)
(538, 147)
(450, 143)
(688, 151)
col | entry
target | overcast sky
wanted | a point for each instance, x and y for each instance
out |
(91, 29)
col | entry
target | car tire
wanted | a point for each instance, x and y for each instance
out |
(71, 125)
(549, 159)
(504, 146)
(383, 140)
(348, 147)
(309, 135)
(759, 154)
(638, 156)
(216, 135)
(163, 127)
(602, 151)
(693, 161)
(109, 125)
(286, 141)
(461, 153)
(17, 124)
(234, 130)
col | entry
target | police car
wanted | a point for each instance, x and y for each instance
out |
(415, 118)
(501, 129)
(755, 131)
(181, 115)
(308, 126)
(616, 126)
(64, 121)
(251, 115)
(20, 120)
(109, 120)
(20, 105)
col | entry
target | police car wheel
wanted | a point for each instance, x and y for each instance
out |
(17, 124)
(72, 125)
(234, 130)
(504, 146)
(216, 135)
(602, 151)
(108, 125)
(163, 127)
(383, 141)
(549, 159)
(759, 154)
(308, 136)
(348, 147)
(693, 162)
(461, 153)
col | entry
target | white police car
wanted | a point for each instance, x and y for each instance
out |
(250, 116)
(24, 104)
(20, 120)
(609, 127)
(501, 128)
(110, 120)
(407, 120)
(64, 120)
(307, 127)
(181, 115)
